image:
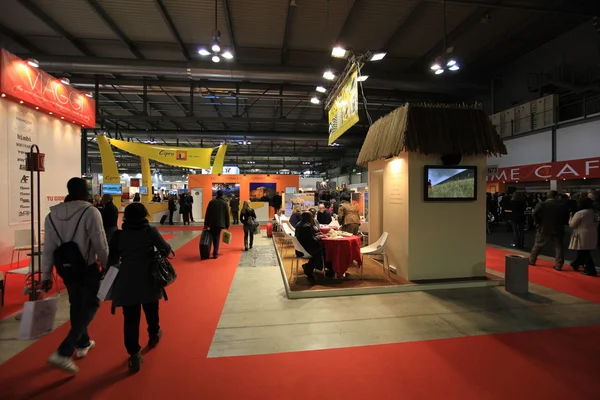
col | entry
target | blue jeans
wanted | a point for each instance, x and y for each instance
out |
(84, 304)
(216, 239)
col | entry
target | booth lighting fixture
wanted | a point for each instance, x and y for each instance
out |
(50, 113)
(359, 173)
(244, 142)
(33, 62)
(65, 81)
(329, 75)
(216, 48)
(21, 102)
(62, 117)
(90, 94)
(315, 100)
(377, 56)
(439, 71)
(306, 163)
(363, 78)
(3, 94)
(334, 144)
(216, 59)
(228, 55)
(441, 63)
(37, 108)
(339, 52)
(204, 52)
(321, 89)
(251, 162)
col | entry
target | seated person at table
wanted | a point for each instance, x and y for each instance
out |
(310, 243)
(315, 223)
(296, 216)
(323, 216)
(349, 218)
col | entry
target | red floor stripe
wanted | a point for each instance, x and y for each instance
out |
(552, 364)
(566, 281)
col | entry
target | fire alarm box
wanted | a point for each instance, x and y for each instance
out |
(35, 162)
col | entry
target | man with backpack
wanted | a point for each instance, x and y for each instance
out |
(74, 238)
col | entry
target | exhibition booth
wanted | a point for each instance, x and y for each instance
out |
(36, 108)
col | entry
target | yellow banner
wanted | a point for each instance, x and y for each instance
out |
(187, 157)
(110, 171)
(146, 179)
(219, 160)
(344, 109)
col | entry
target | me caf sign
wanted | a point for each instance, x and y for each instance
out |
(572, 169)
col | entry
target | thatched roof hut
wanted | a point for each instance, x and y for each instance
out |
(432, 129)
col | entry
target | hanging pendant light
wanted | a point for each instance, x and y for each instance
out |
(216, 51)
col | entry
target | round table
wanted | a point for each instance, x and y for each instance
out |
(326, 228)
(341, 252)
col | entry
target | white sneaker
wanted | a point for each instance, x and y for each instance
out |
(80, 353)
(64, 363)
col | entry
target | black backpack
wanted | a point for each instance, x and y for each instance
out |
(68, 260)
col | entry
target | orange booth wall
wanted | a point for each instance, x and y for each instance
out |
(205, 182)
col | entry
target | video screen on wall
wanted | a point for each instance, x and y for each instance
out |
(262, 191)
(143, 190)
(110, 188)
(230, 190)
(450, 183)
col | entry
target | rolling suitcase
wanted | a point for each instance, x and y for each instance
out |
(269, 229)
(205, 243)
(163, 219)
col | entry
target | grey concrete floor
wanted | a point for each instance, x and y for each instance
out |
(258, 318)
(10, 345)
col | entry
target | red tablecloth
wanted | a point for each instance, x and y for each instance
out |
(326, 228)
(340, 252)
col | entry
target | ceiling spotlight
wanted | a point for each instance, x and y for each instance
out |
(329, 75)
(363, 78)
(454, 68)
(435, 67)
(228, 55)
(451, 63)
(315, 100)
(216, 48)
(65, 81)
(90, 94)
(338, 52)
(33, 62)
(204, 52)
(321, 89)
(439, 71)
(377, 56)
(216, 59)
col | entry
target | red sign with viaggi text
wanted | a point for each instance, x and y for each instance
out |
(35, 88)
(572, 169)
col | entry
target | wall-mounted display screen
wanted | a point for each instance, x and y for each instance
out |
(112, 188)
(447, 183)
(143, 190)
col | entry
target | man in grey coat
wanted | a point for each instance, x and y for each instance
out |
(76, 221)
(216, 219)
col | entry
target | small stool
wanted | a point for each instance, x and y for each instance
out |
(516, 274)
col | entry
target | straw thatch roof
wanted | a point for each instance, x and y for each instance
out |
(432, 129)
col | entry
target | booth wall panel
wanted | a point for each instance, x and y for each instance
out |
(60, 141)
(205, 182)
(578, 141)
(530, 149)
(446, 239)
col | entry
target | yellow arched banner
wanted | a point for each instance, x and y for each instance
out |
(187, 157)
(219, 160)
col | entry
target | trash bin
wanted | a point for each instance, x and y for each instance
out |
(516, 274)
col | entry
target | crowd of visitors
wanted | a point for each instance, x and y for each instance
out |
(550, 213)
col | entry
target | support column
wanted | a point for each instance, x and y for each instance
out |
(146, 179)
(84, 160)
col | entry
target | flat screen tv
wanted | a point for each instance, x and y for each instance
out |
(449, 183)
(111, 188)
(143, 190)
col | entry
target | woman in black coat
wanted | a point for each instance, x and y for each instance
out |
(110, 216)
(248, 219)
(296, 216)
(134, 288)
(184, 209)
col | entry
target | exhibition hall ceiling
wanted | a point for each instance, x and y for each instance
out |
(142, 56)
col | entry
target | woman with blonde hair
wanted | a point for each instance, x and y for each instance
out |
(296, 216)
(248, 220)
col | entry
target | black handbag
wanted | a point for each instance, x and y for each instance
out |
(162, 270)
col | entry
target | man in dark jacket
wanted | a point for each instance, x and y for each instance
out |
(550, 217)
(345, 196)
(323, 216)
(216, 219)
(110, 216)
(234, 204)
(172, 209)
(190, 201)
(277, 202)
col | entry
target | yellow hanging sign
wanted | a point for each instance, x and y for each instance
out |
(187, 157)
(219, 160)
(110, 171)
(344, 109)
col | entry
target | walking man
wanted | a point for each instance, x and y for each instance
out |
(550, 218)
(216, 219)
(74, 238)
(234, 204)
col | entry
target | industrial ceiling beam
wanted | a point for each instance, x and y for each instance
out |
(55, 26)
(18, 39)
(229, 24)
(286, 34)
(404, 25)
(347, 26)
(587, 12)
(267, 120)
(115, 28)
(169, 22)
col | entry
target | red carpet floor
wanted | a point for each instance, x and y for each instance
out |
(551, 364)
